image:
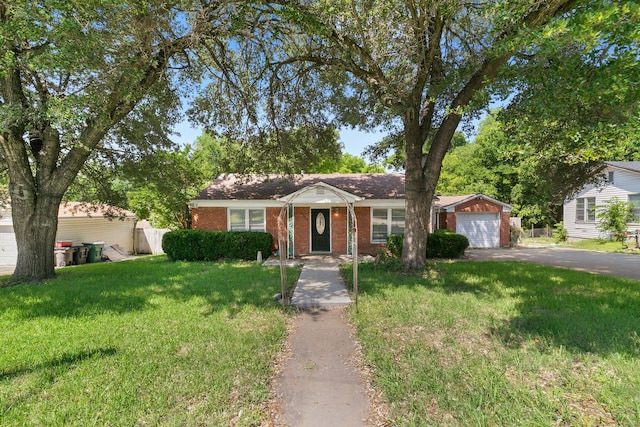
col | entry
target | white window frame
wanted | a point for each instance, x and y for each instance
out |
(587, 210)
(388, 222)
(247, 219)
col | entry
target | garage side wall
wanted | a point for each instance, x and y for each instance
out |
(81, 230)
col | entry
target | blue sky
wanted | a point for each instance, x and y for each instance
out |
(354, 141)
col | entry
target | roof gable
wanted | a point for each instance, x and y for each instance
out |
(447, 202)
(320, 193)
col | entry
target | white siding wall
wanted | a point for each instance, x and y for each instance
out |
(95, 229)
(624, 183)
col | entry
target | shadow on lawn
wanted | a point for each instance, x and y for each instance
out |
(136, 285)
(65, 361)
(581, 312)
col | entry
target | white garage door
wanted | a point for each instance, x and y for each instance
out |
(482, 229)
(8, 246)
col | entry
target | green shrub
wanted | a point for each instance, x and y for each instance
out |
(394, 244)
(560, 234)
(446, 244)
(440, 244)
(201, 245)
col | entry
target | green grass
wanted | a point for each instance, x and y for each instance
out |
(602, 245)
(144, 342)
(501, 343)
(586, 244)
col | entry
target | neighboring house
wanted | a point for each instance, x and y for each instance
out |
(317, 216)
(619, 179)
(77, 225)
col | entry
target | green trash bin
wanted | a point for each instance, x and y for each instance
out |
(95, 251)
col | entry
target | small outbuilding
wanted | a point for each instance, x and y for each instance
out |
(78, 223)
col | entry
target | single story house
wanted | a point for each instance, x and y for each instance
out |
(318, 213)
(78, 223)
(618, 179)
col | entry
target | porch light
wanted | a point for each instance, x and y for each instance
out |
(336, 211)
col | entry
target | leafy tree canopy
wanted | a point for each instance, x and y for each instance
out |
(84, 77)
(418, 69)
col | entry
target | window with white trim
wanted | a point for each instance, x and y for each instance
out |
(385, 221)
(247, 220)
(586, 209)
(635, 200)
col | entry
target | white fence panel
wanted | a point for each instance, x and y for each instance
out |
(149, 240)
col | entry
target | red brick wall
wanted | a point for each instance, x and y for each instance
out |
(339, 230)
(478, 205)
(210, 218)
(302, 222)
(271, 219)
(363, 214)
(442, 220)
(214, 219)
(451, 221)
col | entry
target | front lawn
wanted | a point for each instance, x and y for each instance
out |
(501, 343)
(144, 342)
(585, 244)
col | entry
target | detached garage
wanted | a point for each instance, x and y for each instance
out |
(483, 220)
(8, 245)
(77, 225)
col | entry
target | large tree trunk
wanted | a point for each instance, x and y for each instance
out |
(422, 172)
(417, 201)
(35, 222)
(35, 198)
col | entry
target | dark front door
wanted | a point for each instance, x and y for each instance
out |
(320, 231)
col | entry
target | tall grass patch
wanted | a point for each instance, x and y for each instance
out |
(496, 343)
(145, 342)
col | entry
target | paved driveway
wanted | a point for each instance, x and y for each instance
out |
(613, 264)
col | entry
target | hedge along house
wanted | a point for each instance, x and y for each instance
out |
(318, 218)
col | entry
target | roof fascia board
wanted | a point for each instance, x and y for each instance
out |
(235, 203)
(621, 169)
(506, 206)
(381, 203)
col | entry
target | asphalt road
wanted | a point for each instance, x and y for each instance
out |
(612, 264)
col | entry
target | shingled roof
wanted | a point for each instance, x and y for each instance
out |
(272, 187)
(630, 166)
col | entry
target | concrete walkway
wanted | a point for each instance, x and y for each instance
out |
(320, 384)
(320, 284)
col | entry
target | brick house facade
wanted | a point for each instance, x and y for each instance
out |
(316, 209)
